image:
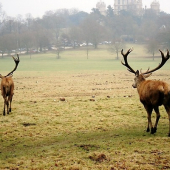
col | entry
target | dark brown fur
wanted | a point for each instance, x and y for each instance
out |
(7, 91)
(152, 93)
(7, 87)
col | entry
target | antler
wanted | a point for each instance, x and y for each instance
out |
(17, 60)
(126, 62)
(164, 60)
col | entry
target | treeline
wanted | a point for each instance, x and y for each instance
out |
(62, 28)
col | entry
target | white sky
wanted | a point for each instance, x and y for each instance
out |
(38, 7)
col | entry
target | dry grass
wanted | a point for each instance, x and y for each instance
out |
(100, 125)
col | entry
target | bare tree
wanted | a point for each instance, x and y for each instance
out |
(59, 46)
(116, 47)
(152, 47)
(2, 15)
(75, 35)
(27, 40)
(8, 43)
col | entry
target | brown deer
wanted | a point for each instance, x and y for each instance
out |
(152, 93)
(7, 86)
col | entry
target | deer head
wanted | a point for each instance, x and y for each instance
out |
(139, 76)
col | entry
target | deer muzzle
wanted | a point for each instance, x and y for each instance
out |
(134, 86)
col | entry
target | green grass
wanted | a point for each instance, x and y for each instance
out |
(76, 60)
(82, 134)
(43, 132)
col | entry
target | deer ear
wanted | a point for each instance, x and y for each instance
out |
(137, 73)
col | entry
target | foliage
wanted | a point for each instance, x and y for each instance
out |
(152, 47)
(117, 47)
(77, 25)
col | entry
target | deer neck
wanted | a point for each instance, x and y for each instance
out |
(140, 83)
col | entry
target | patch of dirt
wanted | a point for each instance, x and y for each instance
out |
(98, 157)
(88, 147)
(28, 124)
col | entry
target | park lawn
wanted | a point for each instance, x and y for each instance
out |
(100, 125)
(101, 59)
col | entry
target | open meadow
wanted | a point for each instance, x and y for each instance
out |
(101, 125)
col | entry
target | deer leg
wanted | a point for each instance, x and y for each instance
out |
(169, 124)
(157, 118)
(168, 112)
(7, 104)
(10, 102)
(148, 129)
(149, 112)
(4, 107)
(5, 101)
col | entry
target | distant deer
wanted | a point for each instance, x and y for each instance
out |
(152, 93)
(7, 86)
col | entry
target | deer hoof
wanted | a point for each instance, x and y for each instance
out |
(155, 129)
(9, 109)
(148, 130)
(152, 130)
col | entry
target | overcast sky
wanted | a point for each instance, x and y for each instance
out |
(38, 7)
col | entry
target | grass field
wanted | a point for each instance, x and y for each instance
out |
(100, 125)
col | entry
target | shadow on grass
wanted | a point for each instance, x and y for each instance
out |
(84, 141)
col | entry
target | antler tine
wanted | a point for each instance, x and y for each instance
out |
(167, 55)
(162, 54)
(125, 60)
(146, 71)
(17, 60)
(129, 51)
(164, 60)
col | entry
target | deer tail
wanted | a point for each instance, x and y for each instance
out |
(6, 90)
(161, 95)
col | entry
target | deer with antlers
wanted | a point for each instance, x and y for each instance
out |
(7, 86)
(152, 93)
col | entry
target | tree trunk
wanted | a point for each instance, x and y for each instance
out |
(117, 55)
(87, 50)
(58, 54)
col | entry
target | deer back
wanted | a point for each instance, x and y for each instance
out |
(154, 92)
(7, 86)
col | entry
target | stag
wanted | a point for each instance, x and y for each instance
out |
(7, 86)
(152, 93)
